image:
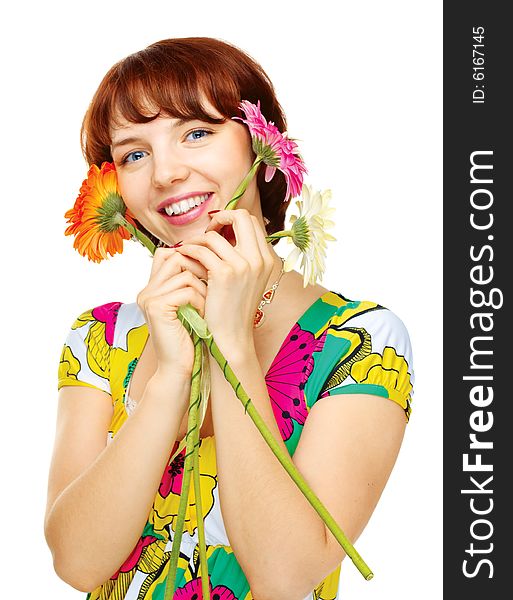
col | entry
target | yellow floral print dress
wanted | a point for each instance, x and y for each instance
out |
(338, 346)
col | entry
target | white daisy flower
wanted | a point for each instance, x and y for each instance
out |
(308, 234)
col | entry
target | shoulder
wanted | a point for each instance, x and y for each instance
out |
(366, 344)
(87, 352)
(112, 318)
(382, 324)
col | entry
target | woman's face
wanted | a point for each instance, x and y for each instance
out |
(165, 162)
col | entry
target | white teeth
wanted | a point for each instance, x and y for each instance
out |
(185, 205)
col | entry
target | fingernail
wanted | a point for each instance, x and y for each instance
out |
(180, 243)
(214, 211)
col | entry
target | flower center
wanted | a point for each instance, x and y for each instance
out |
(301, 234)
(108, 213)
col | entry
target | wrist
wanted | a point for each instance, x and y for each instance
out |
(168, 389)
(238, 353)
(166, 376)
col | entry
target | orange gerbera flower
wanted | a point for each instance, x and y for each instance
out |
(99, 216)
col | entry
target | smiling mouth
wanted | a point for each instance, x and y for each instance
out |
(184, 206)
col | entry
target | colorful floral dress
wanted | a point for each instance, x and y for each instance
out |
(338, 346)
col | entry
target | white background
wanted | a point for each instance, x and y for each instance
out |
(361, 84)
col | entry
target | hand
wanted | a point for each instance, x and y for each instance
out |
(174, 281)
(237, 276)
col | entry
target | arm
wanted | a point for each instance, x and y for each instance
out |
(266, 516)
(100, 496)
(346, 452)
(96, 489)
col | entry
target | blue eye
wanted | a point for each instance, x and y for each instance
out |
(197, 134)
(134, 156)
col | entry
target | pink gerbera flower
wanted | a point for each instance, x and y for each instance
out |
(274, 148)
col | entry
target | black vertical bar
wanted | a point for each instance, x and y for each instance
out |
(478, 350)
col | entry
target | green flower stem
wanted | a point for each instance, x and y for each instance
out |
(192, 424)
(244, 184)
(192, 437)
(287, 462)
(205, 586)
(145, 240)
(279, 234)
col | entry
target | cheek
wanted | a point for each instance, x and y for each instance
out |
(130, 190)
(122, 180)
(124, 191)
(246, 149)
(238, 162)
(240, 149)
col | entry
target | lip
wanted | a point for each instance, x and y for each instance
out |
(192, 214)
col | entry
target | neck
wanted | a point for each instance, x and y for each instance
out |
(275, 273)
(270, 291)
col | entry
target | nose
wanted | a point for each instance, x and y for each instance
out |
(169, 168)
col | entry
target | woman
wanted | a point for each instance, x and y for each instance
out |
(320, 369)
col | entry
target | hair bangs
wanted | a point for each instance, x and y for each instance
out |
(144, 93)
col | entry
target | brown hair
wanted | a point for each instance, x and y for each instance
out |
(171, 76)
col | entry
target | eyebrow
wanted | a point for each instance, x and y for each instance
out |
(125, 142)
(135, 140)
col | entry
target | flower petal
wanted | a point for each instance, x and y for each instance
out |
(309, 233)
(269, 173)
(93, 217)
(272, 146)
(291, 259)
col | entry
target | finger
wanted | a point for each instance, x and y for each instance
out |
(175, 263)
(244, 230)
(184, 296)
(175, 285)
(183, 279)
(160, 255)
(210, 259)
(263, 244)
(186, 278)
